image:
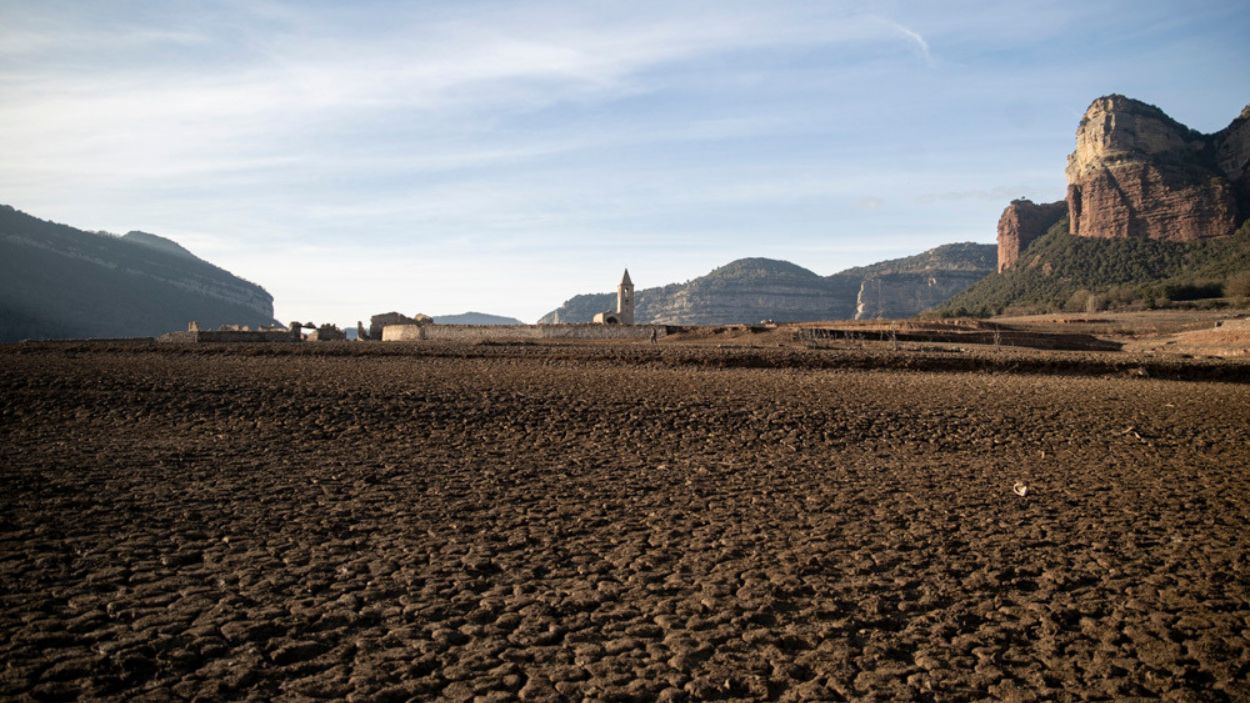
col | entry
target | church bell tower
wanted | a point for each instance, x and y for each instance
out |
(625, 300)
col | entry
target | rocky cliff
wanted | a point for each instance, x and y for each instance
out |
(1021, 224)
(905, 287)
(1232, 154)
(892, 296)
(1138, 173)
(61, 282)
(750, 290)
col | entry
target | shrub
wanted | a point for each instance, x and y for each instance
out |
(1192, 291)
(1077, 301)
(1238, 285)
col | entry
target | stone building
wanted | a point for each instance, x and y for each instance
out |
(624, 313)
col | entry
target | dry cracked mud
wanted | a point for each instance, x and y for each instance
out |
(516, 523)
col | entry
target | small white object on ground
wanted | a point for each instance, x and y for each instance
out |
(1020, 489)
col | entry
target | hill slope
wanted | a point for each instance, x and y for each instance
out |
(59, 282)
(753, 289)
(475, 318)
(1060, 270)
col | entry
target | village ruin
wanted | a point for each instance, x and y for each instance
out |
(244, 333)
(615, 324)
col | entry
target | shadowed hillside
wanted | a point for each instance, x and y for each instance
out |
(60, 282)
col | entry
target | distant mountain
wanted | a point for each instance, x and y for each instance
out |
(901, 288)
(750, 290)
(475, 318)
(58, 282)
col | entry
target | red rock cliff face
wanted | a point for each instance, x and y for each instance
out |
(1022, 222)
(1138, 173)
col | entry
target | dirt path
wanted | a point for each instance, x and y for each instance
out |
(403, 526)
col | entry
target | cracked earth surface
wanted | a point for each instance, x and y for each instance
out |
(512, 525)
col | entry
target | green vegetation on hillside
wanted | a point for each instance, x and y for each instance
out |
(960, 256)
(1063, 272)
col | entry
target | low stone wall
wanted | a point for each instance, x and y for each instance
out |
(228, 336)
(473, 333)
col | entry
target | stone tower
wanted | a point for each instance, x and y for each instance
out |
(625, 300)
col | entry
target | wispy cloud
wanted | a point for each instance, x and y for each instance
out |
(915, 38)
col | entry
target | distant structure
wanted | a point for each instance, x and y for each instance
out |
(615, 324)
(378, 322)
(231, 334)
(326, 333)
(236, 333)
(624, 313)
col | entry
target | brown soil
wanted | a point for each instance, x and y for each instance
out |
(1188, 333)
(394, 522)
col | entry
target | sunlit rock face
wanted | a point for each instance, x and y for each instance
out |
(1021, 223)
(1138, 173)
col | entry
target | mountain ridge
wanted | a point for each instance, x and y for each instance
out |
(475, 318)
(59, 282)
(751, 289)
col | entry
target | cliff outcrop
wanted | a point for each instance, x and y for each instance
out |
(1232, 154)
(1137, 173)
(60, 282)
(1021, 223)
(891, 296)
(750, 290)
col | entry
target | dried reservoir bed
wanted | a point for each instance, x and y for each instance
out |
(566, 522)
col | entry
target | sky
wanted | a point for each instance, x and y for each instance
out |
(438, 157)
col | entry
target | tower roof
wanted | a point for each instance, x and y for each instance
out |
(625, 279)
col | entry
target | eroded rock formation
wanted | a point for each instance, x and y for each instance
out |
(1138, 173)
(1022, 222)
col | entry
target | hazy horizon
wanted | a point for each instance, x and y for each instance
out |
(488, 157)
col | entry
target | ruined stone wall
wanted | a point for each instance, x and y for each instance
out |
(227, 336)
(475, 333)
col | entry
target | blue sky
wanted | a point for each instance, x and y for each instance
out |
(363, 157)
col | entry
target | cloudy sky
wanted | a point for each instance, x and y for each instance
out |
(438, 157)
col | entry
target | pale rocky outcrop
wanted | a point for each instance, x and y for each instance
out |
(1138, 173)
(891, 296)
(1021, 223)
